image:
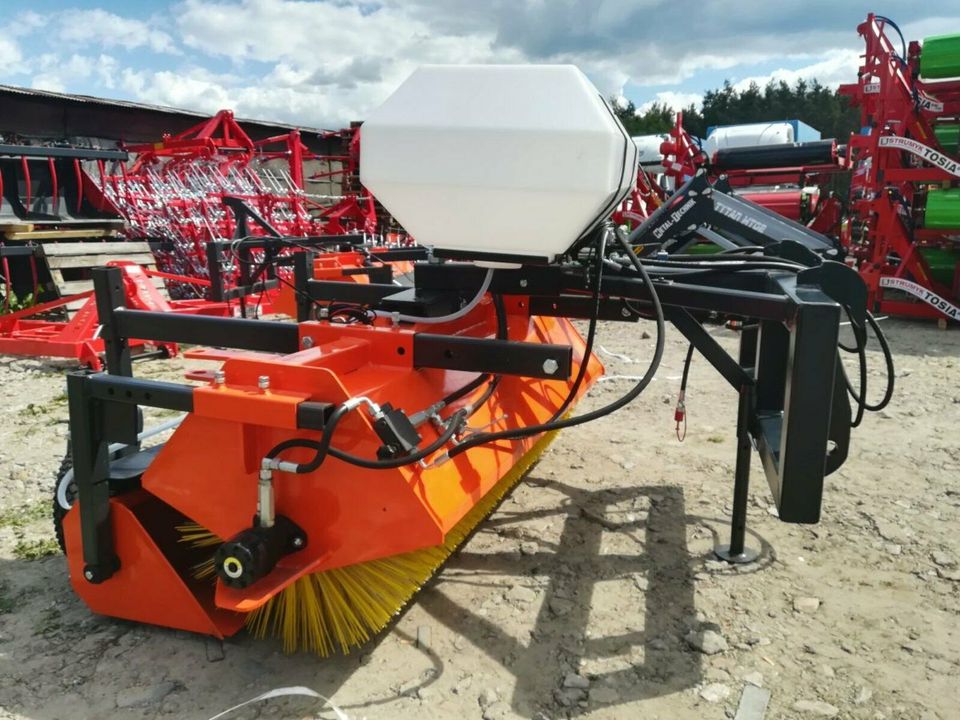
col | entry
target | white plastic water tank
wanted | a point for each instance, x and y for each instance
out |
(648, 151)
(733, 136)
(497, 161)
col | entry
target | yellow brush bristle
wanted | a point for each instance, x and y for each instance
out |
(200, 538)
(344, 608)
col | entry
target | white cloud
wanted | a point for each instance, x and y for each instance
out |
(329, 63)
(317, 33)
(919, 29)
(55, 73)
(106, 70)
(673, 100)
(323, 63)
(104, 29)
(25, 23)
(839, 66)
(607, 76)
(189, 90)
(50, 82)
(9, 52)
(292, 101)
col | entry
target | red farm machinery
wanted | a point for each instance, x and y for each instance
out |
(900, 223)
(789, 178)
(175, 190)
(905, 189)
(181, 217)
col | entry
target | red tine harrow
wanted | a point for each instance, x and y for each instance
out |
(175, 190)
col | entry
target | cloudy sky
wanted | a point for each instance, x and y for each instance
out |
(322, 63)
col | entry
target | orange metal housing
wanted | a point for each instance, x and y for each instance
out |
(208, 470)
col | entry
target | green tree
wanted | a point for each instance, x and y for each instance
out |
(818, 106)
(657, 118)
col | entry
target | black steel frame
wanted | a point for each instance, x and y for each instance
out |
(699, 208)
(53, 151)
(792, 402)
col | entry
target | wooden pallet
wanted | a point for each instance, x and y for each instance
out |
(71, 256)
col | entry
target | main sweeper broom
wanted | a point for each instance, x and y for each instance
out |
(326, 469)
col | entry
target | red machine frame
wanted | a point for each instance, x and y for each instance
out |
(177, 191)
(645, 197)
(896, 158)
(26, 333)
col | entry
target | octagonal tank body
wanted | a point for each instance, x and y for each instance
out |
(498, 162)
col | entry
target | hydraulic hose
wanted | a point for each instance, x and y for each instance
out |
(859, 395)
(454, 423)
(323, 449)
(501, 314)
(641, 385)
(591, 332)
(888, 360)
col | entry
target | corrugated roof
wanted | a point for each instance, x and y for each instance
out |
(107, 102)
(45, 115)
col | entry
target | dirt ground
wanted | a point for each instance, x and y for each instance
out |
(582, 596)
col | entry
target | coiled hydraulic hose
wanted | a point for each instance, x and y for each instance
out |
(859, 395)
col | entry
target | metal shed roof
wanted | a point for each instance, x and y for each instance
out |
(43, 114)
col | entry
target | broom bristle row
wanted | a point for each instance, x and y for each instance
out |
(343, 608)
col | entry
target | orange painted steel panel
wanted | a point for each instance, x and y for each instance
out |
(205, 472)
(221, 354)
(249, 404)
(148, 587)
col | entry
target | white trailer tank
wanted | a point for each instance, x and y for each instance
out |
(648, 152)
(734, 136)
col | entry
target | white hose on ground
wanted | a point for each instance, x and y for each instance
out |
(618, 356)
(285, 692)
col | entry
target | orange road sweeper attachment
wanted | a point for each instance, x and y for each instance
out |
(383, 513)
(325, 468)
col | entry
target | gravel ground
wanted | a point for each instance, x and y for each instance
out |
(590, 593)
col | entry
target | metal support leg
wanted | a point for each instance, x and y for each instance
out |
(302, 273)
(735, 552)
(215, 271)
(108, 290)
(91, 466)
